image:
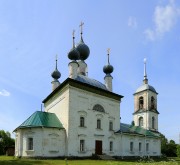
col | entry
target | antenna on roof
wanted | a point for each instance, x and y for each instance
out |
(41, 107)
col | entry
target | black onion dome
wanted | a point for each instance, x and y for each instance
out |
(108, 69)
(56, 74)
(74, 54)
(83, 50)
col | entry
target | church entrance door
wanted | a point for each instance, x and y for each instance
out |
(98, 147)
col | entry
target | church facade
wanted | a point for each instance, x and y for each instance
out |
(81, 117)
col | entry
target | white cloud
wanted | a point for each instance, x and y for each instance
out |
(4, 93)
(132, 22)
(165, 18)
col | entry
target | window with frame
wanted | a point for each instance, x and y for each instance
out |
(141, 102)
(131, 146)
(82, 145)
(82, 124)
(141, 121)
(30, 143)
(153, 122)
(54, 144)
(147, 147)
(110, 125)
(98, 108)
(140, 147)
(110, 146)
(152, 102)
(98, 124)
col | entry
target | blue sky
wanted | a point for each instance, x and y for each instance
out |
(32, 32)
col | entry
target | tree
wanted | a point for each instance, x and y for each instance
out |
(132, 123)
(172, 148)
(178, 151)
(164, 143)
(5, 141)
(168, 148)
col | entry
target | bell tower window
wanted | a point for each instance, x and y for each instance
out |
(152, 102)
(141, 121)
(153, 122)
(141, 102)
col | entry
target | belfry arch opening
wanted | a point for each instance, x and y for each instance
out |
(153, 122)
(152, 103)
(141, 121)
(141, 102)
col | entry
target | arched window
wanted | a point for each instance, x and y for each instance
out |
(98, 108)
(98, 124)
(141, 102)
(153, 122)
(110, 146)
(141, 121)
(152, 102)
(81, 121)
(110, 125)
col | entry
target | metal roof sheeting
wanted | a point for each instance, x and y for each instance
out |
(130, 129)
(145, 87)
(85, 79)
(42, 119)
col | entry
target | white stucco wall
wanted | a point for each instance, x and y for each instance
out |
(71, 103)
(81, 104)
(125, 139)
(47, 142)
(147, 119)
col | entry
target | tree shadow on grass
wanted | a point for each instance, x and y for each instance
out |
(22, 162)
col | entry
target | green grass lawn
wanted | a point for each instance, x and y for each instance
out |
(8, 160)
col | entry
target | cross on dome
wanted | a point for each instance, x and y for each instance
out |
(145, 74)
(81, 26)
(108, 52)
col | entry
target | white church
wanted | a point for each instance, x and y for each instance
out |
(81, 117)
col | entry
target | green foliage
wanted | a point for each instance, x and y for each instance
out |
(8, 160)
(168, 148)
(178, 151)
(5, 141)
(132, 123)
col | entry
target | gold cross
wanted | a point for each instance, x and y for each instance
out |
(145, 60)
(56, 60)
(108, 50)
(73, 33)
(81, 25)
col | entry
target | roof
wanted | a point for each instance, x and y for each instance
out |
(84, 86)
(93, 82)
(142, 111)
(41, 119)
(145, 87)
(130, 129)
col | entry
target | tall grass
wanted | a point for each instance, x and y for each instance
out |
(8, 160)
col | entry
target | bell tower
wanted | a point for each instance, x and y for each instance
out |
(145, 105)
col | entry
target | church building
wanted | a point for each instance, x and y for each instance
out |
(81, 117)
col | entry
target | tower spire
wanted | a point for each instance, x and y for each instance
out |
(56, 61)
(108, 69)
(81, 27)
(73, 35)
(145, 74)
(55, 75)
(108, 52)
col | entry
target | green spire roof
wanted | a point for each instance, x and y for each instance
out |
(41, 119)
